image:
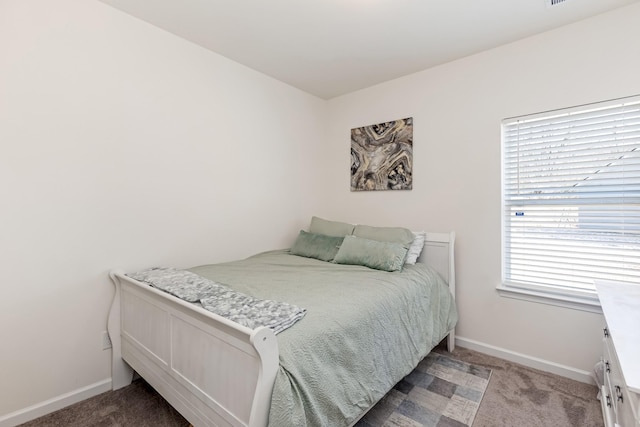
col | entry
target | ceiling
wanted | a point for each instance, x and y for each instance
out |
(332, 47)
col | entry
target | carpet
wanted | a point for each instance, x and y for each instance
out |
(516, 396)
(439, 392)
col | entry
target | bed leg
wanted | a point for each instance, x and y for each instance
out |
(451, 342)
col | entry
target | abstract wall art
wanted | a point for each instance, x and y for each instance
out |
(382, 156)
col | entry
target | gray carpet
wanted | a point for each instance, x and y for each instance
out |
(522, 396)
(515, 396)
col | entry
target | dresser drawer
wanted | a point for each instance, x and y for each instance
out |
(617, 398)
(607, 407)
(612, 374)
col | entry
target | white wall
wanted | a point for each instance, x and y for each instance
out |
(123, 145)
(457, 109)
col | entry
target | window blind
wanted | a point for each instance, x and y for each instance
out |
(571, 197)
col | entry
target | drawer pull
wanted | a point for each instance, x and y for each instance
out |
(619, 393)
(606, 332)
(607, 367)
(608, 401)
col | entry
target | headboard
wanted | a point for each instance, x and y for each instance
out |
(438, 253)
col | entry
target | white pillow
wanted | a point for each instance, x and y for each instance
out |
(416, 247)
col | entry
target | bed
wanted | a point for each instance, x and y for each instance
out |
(219, 373)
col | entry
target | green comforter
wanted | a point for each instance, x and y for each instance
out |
(363, 332)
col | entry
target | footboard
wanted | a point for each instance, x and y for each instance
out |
(213, 371)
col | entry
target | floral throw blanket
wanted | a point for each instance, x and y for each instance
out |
(222, 300)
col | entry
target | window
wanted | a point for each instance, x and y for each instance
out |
(571, 201)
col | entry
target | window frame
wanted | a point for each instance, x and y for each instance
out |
(574, 298)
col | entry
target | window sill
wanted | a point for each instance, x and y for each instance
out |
(576, 302)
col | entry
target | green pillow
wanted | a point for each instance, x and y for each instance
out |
(316, 246)
(385, 234)
(330, 228)
(385, 256)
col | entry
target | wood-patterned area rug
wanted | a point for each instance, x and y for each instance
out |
(439, 392)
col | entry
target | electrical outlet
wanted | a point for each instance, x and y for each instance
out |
(106, 340)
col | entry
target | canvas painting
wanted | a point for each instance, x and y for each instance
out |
(382, 156)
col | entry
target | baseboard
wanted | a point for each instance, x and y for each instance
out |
(48, 406)
(530, 361)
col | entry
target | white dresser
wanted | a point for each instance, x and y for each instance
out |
(620, 394)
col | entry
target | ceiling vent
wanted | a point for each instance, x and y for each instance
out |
(551, 3)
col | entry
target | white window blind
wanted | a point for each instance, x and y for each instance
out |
(571, 198)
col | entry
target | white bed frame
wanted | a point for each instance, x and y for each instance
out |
(213, 371)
